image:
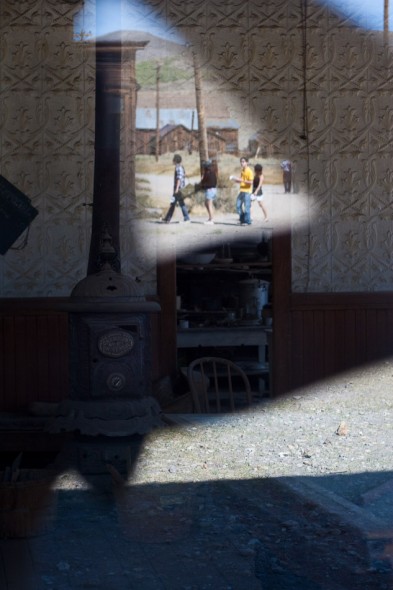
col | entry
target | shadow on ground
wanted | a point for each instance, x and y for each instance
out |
(266, 534)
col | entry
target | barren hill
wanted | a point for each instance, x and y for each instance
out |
(158, 47)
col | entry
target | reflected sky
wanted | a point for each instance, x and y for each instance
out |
(368, 14)
(135, 16)
(138, 16)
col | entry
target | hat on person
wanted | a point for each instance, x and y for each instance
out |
(207, 163)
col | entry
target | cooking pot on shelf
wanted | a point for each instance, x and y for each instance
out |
(253, 296)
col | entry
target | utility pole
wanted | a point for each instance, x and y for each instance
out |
(202, 132)
(386, 20)
(192, 133)
(158, 112)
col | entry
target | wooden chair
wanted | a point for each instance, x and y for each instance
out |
(218, 385)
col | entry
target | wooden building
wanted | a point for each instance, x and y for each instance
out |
(173, 138)
(179, 131)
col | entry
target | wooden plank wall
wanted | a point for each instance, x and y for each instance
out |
(330, 333)
(33, 354)
(165, 337)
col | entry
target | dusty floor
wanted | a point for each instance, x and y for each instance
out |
(296, 494)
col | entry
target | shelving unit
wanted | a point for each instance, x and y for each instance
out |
(216, 322)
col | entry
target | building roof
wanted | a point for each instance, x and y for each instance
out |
(168, 128)
(146, 119)
(223, 123)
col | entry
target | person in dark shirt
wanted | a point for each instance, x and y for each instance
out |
(286, 166)
(209, 185)
(257, 190)
(179, 182)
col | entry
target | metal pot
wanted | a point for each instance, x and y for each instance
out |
(254, 294)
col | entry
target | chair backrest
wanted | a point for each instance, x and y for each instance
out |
(218, 385)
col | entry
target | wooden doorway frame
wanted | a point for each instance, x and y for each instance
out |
(281, 299)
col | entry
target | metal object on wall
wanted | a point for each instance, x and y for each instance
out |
(16, 214)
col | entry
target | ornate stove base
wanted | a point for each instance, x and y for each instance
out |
(112, 418)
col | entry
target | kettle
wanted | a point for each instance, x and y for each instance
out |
(254, 294)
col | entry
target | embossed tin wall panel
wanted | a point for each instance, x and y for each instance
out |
(46, 144)
(256, 52)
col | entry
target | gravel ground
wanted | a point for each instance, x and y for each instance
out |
(206, 506)
(185, 237)
(341, 426)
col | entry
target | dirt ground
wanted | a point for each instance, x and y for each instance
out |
(181, 238)
(294, 494)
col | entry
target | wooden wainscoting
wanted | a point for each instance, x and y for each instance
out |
(333, 332)
(33, 352)
(315, 336)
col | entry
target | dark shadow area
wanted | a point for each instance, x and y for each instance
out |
(27, 460)
(101, 531)
(218, 534)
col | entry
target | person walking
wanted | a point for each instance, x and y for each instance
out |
(295, 179)
(179, 182)
(209, 184)
(257, 190)
(286, 166)
(243, 200)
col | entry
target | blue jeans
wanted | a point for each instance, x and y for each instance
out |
(177, 198)
(243, 207)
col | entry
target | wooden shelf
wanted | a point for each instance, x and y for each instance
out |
(263, 266)
(201, 285)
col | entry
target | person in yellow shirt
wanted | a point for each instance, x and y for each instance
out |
(243, 201)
